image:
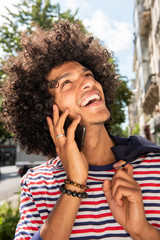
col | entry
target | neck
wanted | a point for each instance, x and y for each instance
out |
(97, 146)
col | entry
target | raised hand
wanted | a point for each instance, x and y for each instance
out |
(73, 160)
(124, 197)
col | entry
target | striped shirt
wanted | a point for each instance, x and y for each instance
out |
(40, 192)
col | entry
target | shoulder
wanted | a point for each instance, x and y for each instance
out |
(39, 172)
(139, 140)
(148, 160)
(44, 173)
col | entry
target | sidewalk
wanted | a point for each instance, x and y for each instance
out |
(14, 200)
(9, 185)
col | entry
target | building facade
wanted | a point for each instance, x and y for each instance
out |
(146, 85)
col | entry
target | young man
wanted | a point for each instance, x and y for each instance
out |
(66, 74)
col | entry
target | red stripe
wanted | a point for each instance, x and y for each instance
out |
(46, 182)
(30, 228)
(36, 221)
(30, 210)
(93, 202)
(154, 160)
(146, 172)
(45, 205)
(44, 172)
(94, 216)
(97, 180)
(150, 198)
(45, 193)
(156, 225)
(26, 238)
(34, 174)
(149, 184)
(94, 189)
(44, 217)
(41, 182)
(152, 211)
(25, 199)
(116, 228)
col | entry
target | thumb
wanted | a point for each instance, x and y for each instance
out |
(107, 190)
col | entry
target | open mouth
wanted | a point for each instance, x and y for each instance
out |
(89, 100)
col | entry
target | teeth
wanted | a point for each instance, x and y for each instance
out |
(86, 101)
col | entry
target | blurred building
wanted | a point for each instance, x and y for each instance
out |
(133, 110)
(7, 147)
(7, 153)
(146, 86)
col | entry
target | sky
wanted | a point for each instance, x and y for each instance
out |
(109, 20)
(112, 22)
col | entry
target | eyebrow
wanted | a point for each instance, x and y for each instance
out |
(62, 76)
(69, 74)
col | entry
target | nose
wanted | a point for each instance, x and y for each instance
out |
(86, 83)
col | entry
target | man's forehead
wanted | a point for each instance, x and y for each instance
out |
(65, 70)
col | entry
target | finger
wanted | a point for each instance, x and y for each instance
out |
(72, 128)
(50, 126)
(59, 128)
(123, 174)
(123, 192)
(129, 169)
(119, 164)
(119, 182)
(55, 114)
(60, 140)
(107, 190)
(108, 193)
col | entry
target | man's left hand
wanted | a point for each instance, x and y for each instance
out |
(124, 197)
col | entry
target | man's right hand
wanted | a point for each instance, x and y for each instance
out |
(74, 161)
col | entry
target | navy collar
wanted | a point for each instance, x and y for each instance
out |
(132, 148)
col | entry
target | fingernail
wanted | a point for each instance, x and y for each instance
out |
(116, 165)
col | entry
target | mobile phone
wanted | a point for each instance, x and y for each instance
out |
(79, 133)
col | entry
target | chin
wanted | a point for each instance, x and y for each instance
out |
(100, 121)
(97, 118)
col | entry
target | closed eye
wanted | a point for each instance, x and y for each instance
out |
(89, 74)
(65, 82)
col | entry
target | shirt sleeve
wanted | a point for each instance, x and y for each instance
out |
(37, 236)
(30, 218)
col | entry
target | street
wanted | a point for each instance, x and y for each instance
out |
(9, 184)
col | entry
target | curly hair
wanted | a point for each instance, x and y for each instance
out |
(27, 100)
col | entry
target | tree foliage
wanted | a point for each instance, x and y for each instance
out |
(122, 100)
(27, 12)
(135, 131)
(44, 13)
(41, 12)
(9, 217)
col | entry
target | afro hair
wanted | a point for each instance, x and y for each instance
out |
(27, 100)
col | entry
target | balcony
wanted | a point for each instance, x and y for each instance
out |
(145, 22)
(151, 95)
(157, 32)
(150, 81)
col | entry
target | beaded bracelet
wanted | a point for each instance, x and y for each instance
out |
(74, 193)
(85, 187)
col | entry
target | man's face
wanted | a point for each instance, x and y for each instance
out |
(80, 92)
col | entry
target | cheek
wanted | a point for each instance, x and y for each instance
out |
(64, 102)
